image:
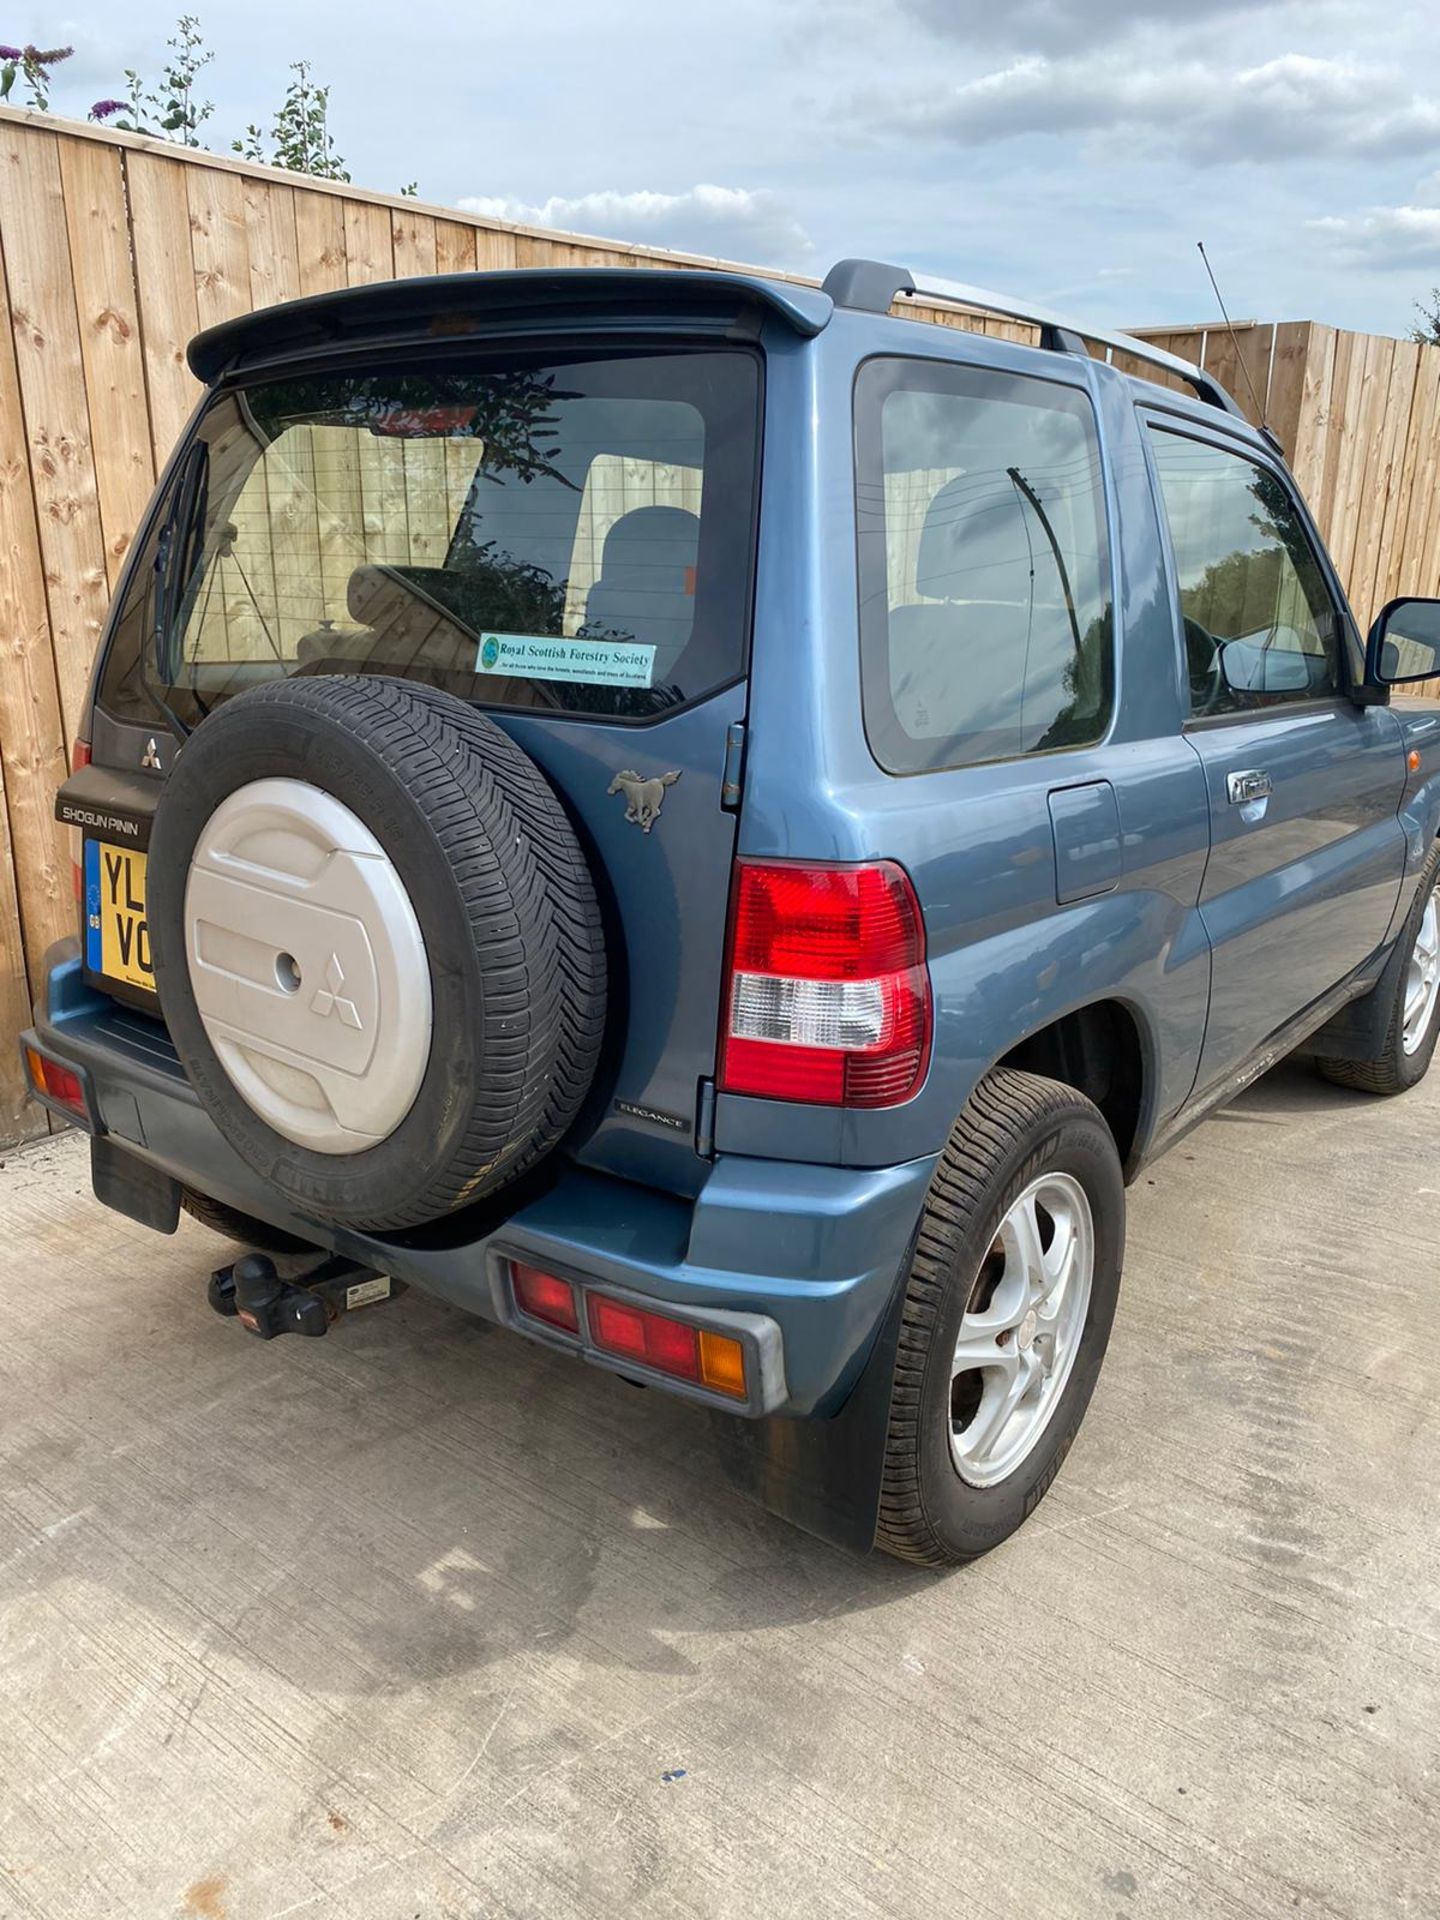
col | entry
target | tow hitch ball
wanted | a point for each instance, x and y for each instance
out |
(267, 1306)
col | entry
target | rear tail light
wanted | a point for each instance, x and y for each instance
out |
(59, 1083)
(545, 1296)
(829, 996)
(79, 757)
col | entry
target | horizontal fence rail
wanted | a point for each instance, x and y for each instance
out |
(115, 250)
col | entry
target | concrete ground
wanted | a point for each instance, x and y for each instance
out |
(419, 1620)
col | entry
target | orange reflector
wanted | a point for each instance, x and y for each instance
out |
(1414, 762)
(722, 1363)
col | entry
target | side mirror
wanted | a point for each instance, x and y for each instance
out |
(1404, 644)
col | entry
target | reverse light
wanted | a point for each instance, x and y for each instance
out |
(829, 995)
(545, 1297)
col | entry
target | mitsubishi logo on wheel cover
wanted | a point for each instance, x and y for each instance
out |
(329, 999)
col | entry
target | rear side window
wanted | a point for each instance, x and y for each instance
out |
(986, 628)
(1261, 628)
(570, 535)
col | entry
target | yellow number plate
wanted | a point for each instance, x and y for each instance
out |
(117, 939)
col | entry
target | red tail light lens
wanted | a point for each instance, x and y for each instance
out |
(60, 1083)
(79, 757)
(651, 1338)
(829, 997)
(545, 1296)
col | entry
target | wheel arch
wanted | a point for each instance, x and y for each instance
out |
(1104, 1049)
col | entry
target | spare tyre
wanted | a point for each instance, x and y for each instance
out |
(377, 946)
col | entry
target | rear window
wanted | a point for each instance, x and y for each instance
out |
(985, 597)
(569, 534)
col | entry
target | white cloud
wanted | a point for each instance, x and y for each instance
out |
(1065, 25)
(1296, 106)
(733, 222)
(1383, 237)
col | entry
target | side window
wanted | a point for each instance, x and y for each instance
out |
(1261, 628)
(985, 597)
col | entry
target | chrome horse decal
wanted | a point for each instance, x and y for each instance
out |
(643, 798)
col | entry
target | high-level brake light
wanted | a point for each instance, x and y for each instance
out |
(829, 995)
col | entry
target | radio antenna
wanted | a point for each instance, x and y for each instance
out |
(1235, 339)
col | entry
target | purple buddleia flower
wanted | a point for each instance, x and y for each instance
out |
(12, 53)
(107, 109)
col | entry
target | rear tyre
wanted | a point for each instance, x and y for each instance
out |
(258, 1235)
(1008, 1307)
(1410, 985)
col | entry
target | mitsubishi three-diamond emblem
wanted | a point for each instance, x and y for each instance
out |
(329, 999)
(151, 756)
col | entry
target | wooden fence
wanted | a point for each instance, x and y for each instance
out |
(115, 250)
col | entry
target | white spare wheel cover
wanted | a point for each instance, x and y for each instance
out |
(308, 966)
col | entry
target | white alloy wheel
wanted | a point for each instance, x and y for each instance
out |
(1422, 978)
(308, 966)
(1021, 1332)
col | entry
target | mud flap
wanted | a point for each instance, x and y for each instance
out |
(131, 1186)
(823, 1475)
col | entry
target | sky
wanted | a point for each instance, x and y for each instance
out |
(1071, 150)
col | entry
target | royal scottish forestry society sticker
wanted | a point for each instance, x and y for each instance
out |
(598, 663)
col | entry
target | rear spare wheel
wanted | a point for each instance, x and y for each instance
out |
(377, 946)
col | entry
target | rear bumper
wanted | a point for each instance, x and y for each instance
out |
(813, 1251)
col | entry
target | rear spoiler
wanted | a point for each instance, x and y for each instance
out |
(456, 304)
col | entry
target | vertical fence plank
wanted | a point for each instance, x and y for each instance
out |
(454, 247)
(1336, 428)
(369, 250)
(1360, 530)
(165, 287)
(1311, 427)
(274, 250)
(1384, 481)
(1365, 378)
(1287, 384)
(413, 238)
(46, 332)
(320, 241)
(32, 739)
(1415, 502)
(219, 246)
(494, 248)
(1424, 542)
(110, 347)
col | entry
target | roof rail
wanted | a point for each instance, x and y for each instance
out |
(871, 287)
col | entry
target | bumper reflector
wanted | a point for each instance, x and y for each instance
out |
(545, 1297)
(711, 1360)
(722, 1363)
(59, 1083)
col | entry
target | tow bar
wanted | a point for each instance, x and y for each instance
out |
(252, 1292)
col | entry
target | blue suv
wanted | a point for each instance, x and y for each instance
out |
(717, 827)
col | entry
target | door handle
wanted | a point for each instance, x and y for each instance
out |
(1250, 785)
